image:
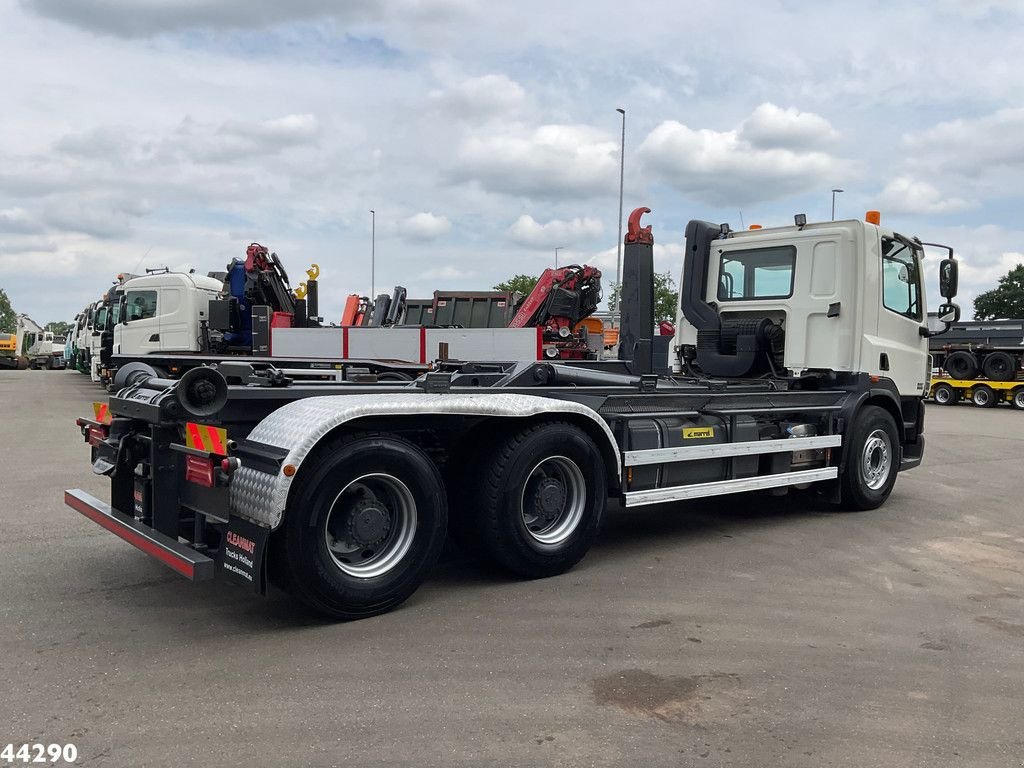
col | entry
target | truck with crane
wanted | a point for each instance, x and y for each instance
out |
(802, 358)
(176, 321)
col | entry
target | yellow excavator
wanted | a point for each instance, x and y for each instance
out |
(8, 350)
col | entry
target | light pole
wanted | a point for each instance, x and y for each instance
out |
(557, 249)
(834, 191)
(622, 175)
(373, 251)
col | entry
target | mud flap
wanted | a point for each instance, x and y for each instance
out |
(242, 554)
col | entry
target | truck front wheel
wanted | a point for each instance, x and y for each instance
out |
(872, 459)
(365, 522)
(540, 498)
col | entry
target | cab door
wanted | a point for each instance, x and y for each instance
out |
(901, 352)
(177, 332)
(140, 332)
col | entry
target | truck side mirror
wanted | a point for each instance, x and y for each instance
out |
(949, 314)
(948, 281)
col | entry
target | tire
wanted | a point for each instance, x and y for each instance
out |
(540, 498)
(872, 460)
(984, 397)
(1017, 398)
(364, 525)
(999, 366)
(962, 365)
(945, 394)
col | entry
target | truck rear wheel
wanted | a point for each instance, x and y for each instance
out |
(365, 522)
(999, 366)
(872, 459)
(983, 397)
(945, 394)
(540, 499)
(1017, 399)
(962, 365)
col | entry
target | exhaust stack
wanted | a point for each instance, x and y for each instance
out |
(636, 297)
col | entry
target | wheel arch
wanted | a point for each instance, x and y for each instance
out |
(299, 428)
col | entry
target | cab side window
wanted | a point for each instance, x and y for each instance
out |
(901, 291)
(758, 273)
(140, 305)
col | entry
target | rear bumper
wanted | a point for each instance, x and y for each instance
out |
(176, 556)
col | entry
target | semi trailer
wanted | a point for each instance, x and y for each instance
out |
(991, 349)
(802, 357)
(980, 392)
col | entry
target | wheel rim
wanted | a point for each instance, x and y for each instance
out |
(942, 395)
(371, 525)
(876, 459)
(981, 397)
(1018, 399)
(553, 500)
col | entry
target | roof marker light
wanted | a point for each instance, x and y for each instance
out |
(873, 217)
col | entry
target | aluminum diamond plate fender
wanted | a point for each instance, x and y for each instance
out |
(298, 426)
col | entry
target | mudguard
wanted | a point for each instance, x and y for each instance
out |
(297, 427)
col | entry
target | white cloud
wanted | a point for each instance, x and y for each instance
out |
(527, 231)
(446, 273)
(770, 126)
(141, 18)
(905, 195)
(424, 227)
(479, 98)
(550, 162)
(974, 147)
(726, 168)
(17, 221)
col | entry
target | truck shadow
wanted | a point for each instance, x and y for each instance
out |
(462, 576)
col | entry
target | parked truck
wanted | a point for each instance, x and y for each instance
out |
(803, 357)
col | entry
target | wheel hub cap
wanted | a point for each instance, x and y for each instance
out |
(368, 524)
(876, 460)
(549, 498)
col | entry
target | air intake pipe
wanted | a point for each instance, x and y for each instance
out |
(732, 351)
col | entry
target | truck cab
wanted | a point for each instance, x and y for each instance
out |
(838, 296)
(163, 312)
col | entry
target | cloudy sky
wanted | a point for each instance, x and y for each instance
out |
(141, 133)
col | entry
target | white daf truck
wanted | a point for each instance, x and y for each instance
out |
(801, 360)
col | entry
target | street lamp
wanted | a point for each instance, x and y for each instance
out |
(557, 249)
(373, 251)
(622, 174)
(834, 191)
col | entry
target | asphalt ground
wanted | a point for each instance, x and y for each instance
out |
(738, 631)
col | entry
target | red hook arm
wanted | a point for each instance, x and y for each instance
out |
(634, 232)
